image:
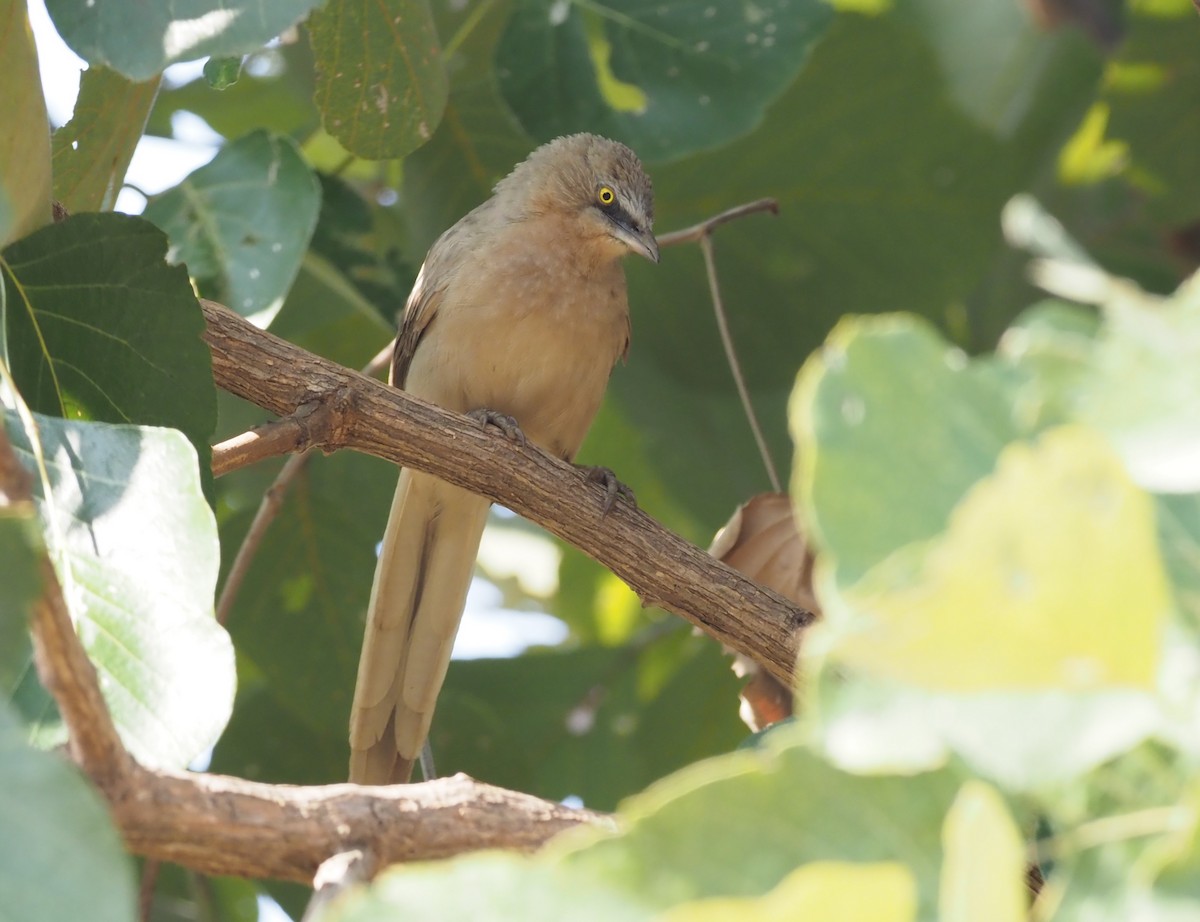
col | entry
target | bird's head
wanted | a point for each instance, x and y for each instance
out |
(598, 182)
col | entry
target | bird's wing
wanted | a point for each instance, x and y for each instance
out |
(419, 312)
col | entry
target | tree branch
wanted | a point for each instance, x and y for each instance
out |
(383, 421)
(222, 825)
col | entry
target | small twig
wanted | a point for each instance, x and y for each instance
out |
(335, 874)
(313, 424)
(149, 881)
(708, 225)
(714, 289)
(268, 509)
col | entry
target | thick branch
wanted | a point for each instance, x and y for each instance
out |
(661, 567)
(222, 825)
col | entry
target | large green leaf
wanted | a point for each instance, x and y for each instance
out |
(690, 836)
(381, 85)
(894, 425)
(99, 327)
(242, 223)
(61, 860)
(498, 887)
(135, 547)
(139, 39)
(668, 79)
(24, 129)
(93, 150)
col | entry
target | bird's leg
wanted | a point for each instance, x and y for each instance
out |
(505, 424)
(612, 487)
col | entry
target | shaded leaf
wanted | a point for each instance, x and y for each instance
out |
(242, 223)
(92, 151)
(667, 79)
(139, 40)
(61, 860)
(381, 85)
(100, 327)
(25, 138)
(135, 547)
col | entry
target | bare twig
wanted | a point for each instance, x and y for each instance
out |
(698, 231)
(335, 874)
(146, 888)
(268, 509)
(714, 289)
(391, 424)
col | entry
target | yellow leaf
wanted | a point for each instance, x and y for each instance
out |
(1048, 576)
(829, 891)
(983, 873)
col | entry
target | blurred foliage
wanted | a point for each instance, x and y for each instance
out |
(1001, 486)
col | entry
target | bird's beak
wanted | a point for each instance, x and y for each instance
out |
(640, 241)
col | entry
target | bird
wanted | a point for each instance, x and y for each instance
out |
(517, 318)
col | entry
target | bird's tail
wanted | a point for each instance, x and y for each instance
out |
(417, 598)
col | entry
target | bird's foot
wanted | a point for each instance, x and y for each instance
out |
(612, 487)
(504, 423)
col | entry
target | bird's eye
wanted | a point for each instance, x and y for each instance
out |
(605, 196)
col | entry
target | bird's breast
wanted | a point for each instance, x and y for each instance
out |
(529, 335)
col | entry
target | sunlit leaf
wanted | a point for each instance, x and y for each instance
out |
(242, 223)
(135, 547)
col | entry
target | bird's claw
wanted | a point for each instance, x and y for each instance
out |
(612, 487)
(506, 424)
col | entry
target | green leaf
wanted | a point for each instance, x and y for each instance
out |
(494, 886)
(666, 79)
(99, 327)
(222, 73)
(586, 723)
(135, 547)
(1048, 575)
(1179, 538)
(25, 138)
(831, 891)
(139, 40)
(20, 585)
(273, 92)
(895, 425)
(242, 223)
(868, 725)
(687, 838)
(1153, 90)
(983, 876)
(61, 860)
(314, 570)
(92, 151)
(381, 85)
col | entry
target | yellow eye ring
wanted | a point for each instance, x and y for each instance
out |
(605, 196)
